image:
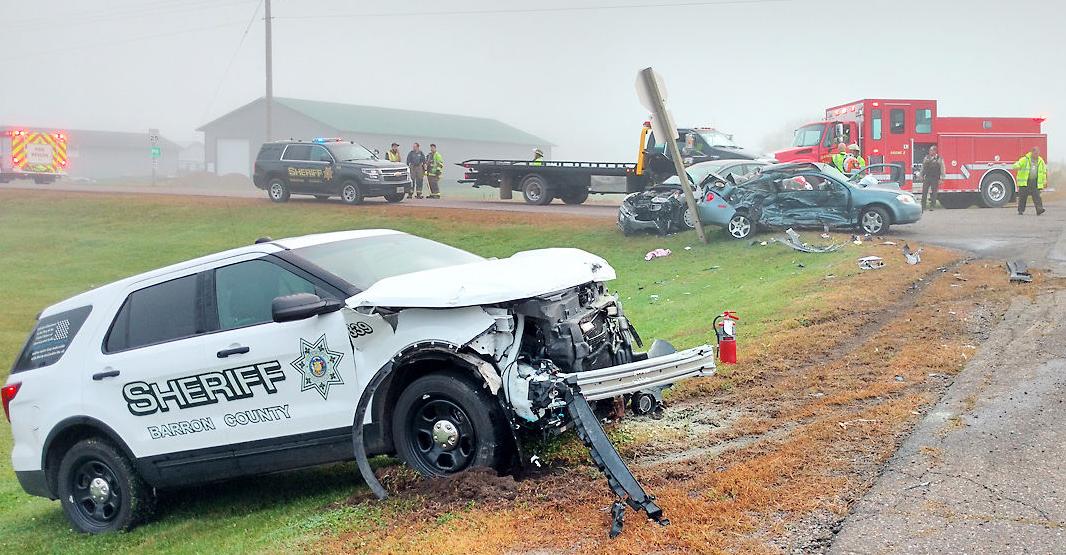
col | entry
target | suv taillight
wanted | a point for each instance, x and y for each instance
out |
(8, 393)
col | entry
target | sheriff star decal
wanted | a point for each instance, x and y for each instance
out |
(318, 366)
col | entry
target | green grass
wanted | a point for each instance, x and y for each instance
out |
(53, 247)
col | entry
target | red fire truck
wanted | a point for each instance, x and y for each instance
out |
(978, 152)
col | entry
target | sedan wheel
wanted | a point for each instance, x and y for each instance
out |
(739, 226)
(687, 218)
(874, 221)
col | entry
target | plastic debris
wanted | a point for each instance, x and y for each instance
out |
(871, 263)
(1019, 271)
(892, 243)
(688, 248)
(657, 253)
(913, 257)
(796, 243)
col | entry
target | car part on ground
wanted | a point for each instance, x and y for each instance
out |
(912, 257)
(871, 263)
(794, 242)
(1019, 271)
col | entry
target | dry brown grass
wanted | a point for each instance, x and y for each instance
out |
(825, 399)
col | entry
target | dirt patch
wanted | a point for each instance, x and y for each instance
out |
(769, 455)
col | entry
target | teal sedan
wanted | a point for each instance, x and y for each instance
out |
(804, 195)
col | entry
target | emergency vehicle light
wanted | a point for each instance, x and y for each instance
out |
(321, 140)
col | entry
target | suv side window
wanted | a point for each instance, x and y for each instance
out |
(297, 153)
(270, 152)
(156, 314)
(245, 292)
(320, 154)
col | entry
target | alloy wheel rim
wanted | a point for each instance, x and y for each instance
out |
(996, 191)
(349, 193)
(871, 222)
(276, 190)
(739, 227)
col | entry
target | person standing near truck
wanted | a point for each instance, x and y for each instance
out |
(840, 157)
(434, 171)
(416, 163)
(538, 157)
(932, 172)
(1032, 177)
(854, 162)
(393, 154)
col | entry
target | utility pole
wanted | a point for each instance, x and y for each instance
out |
(269, 74)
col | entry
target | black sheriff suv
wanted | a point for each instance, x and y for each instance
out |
(327, 168)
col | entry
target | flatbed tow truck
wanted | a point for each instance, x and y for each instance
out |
(542, 181)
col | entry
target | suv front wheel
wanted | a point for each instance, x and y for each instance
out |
(99, 489)
(278, 189)
(351, 193)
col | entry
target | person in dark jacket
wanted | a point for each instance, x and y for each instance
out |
(416, 163)
(932, 172)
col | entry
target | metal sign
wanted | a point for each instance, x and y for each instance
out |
(157, 152)
(153, 136)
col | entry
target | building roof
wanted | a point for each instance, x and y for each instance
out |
(376, 120)
(104, 139)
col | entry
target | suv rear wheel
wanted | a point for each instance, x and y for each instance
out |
(443, 424)
(278, 189)
(99, 489)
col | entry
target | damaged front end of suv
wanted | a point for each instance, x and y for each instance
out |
(543, 339)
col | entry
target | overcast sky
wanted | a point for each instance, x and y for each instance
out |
(755, 68)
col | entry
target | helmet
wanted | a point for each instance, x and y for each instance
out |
(841, 148)
(853, 146)
(537, 152)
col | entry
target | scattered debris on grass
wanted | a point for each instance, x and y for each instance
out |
(657, 253)
(871, 263)
(912, 257)
(1019, 271)
(793, 241)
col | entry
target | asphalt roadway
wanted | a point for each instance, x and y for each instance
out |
(985, 470)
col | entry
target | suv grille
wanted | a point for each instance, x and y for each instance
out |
(398, 174)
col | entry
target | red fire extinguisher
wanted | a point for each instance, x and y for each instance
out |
(725, 327)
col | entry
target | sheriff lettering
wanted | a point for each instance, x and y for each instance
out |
(305, 172)
(144, 398)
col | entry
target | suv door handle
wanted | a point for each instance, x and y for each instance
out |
(232, 351)
(105, 374)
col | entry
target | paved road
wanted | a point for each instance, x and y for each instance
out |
(985, 470)
(605, 206)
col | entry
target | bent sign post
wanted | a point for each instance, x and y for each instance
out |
(652, 95)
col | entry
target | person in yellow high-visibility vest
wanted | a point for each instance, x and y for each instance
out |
(840, 157)
(854, 163)
(394, 153)
(1031, 179)
(434, 170)
(538, 157)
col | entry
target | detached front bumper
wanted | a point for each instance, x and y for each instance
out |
(613, 381)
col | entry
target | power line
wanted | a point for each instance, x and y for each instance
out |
(232, 59)
(172, 7)
(546, 10)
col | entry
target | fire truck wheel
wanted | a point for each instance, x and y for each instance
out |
(874, 220)
(535, 190)
(996, 190)
(954, 201)
(278, 189)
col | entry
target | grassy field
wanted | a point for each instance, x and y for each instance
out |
(53, 246)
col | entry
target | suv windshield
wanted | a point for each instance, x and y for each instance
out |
(718, 139)
(362, 262)
(350, 151)
(808, 135)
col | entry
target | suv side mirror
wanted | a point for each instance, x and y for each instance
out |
(301, 306)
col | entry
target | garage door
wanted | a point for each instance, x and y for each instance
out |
(232, 157)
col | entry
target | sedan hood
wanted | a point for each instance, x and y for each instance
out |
(523, 275)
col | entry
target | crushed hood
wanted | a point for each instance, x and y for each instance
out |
(523, 275)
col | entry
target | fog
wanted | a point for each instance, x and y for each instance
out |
(562, 70)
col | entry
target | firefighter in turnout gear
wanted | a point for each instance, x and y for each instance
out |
(1032, 178)
(434, 170)
(393, 154)
(840, 157)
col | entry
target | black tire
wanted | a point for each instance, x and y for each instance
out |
(278, 190)
(874, 220)
(99, 489)
(575, 196)
(448, 408)
(955, 201)
(996, 190)
(352, 193)
(535, 190)
(740, 226)
(395, 197)
(322, 197)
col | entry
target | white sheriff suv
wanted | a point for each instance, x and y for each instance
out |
(310, 350)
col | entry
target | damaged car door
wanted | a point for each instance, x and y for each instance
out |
(807, 200)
